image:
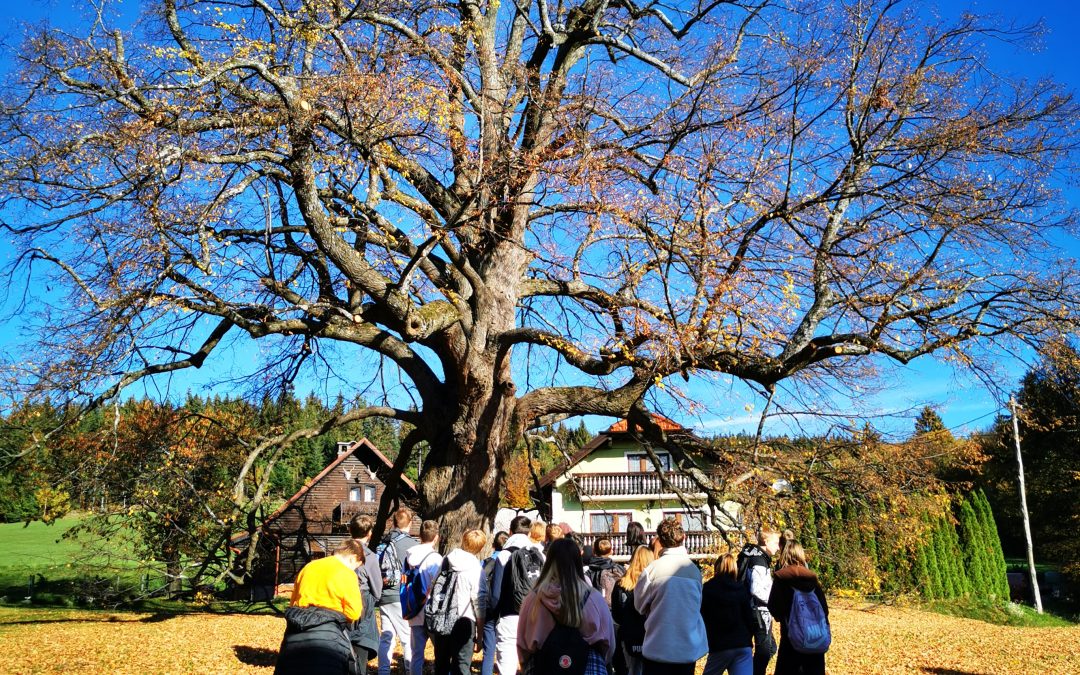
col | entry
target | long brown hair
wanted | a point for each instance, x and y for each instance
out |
(643, 555)
(564, 567)
(793, 554)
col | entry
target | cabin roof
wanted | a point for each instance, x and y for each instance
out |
(366, 452)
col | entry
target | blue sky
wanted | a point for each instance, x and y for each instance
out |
(964, 402)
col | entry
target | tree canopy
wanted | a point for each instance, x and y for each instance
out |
(526, 210)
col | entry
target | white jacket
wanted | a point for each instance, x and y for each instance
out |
(469, 572)
(668, 595)
(432, 561)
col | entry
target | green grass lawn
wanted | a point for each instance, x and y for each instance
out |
(37, 548)
(41, 551)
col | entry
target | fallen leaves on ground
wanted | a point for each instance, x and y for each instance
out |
(866, 639)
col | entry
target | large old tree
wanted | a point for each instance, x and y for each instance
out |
(528, 209)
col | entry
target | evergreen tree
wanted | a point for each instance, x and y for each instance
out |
(996, 569)
(974, 545)
(955, 556)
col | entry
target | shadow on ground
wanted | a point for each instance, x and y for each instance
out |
(950, 671)
(111, 618)
(255, 656)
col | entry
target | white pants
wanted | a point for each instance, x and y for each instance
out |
(506, 654)
(392, 625)
(419, 644)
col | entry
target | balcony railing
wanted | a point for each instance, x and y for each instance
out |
(699, 543)
(625, 484)
(345, 511)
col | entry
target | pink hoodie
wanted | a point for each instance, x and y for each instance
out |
(536, 621)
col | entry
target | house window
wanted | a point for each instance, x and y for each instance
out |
(608, 522)
(354, 494)
(639, 462)
(691, 521)
(369, 493)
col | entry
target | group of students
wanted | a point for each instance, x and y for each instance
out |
(543, 603)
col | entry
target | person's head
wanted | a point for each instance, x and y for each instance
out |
(403, 518)
(635, 534)
(643, 555)
(769, 541)
(360, 526)
(552, 532)
(786, 536)
(429, 531)
(563, 566)
(536, 532)
(670, 533)
(655, 546)
(500, 540)
(602, 547)
(351, 552)
(793, 554)
(726, 567)
(520, 525)
(473, 541)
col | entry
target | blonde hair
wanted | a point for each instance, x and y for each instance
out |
(552, 533)
(726, 567)
(793, 554)
(643, 555)
(536, 532)
(473, 541)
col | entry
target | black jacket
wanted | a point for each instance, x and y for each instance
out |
(728, 614)
(631, 623)
(316, 641)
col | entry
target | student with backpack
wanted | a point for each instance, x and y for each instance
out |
(419, 569)
(629, 624)
(565, 626)
(487, 633)
(391, 552)
(452, 609)
(326, 599)
(729, 620)
(798, 603)
(755, 572)
(603, 572)
(517, 567)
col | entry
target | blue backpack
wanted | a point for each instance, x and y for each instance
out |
(414, 588)
(808, 627)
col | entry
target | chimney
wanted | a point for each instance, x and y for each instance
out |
(343, 447)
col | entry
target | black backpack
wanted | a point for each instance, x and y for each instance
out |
(441, 609)
(519, 576)
(750, 556)
(564, 652)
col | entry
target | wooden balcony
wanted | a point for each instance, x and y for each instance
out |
(593, 486)
(699, 543)
(345, 511)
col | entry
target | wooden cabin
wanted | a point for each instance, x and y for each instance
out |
(314, 521)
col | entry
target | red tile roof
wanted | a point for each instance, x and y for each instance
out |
(665, 424)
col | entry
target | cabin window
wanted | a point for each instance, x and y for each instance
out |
(354, 494)
(369, 493)
(639, 462)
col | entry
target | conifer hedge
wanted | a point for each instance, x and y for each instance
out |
(957, 553)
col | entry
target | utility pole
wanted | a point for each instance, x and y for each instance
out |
(1024, 508)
